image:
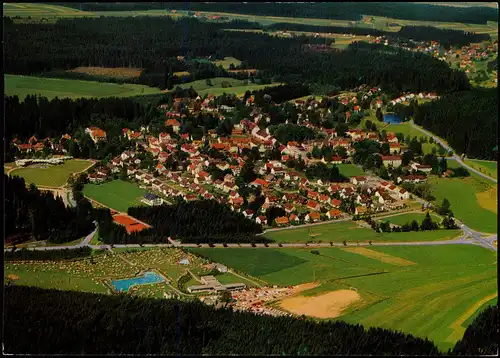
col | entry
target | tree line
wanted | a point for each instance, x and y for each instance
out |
(122, 324)
(108, 42)
(337, 10)
(47, 255)
(30, 213)
(468, 121)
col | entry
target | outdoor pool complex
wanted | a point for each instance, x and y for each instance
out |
(147, 278)
(392, 118)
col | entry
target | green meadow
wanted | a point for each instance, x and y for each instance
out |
(468, 200)
(116, 194)
(427, 291)
(52, 175)
(408, 217)
(22, 86)
(220, 85)
(485, 166)
(350, 170)
(351, 232)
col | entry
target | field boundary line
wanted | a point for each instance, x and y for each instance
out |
(458, 323)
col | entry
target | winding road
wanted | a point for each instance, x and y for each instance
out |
(454, 156)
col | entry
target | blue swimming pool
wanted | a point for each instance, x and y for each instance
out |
(392, 118)
(147, 278)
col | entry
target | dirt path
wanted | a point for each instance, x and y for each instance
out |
(245, 278)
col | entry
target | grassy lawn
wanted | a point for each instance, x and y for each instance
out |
(351, 232)
(404, 218)
(236, 86)
(53, 175)
(487, 167)
(55, 87)
(430, 297)
(116, 194)
(473, 205)
(350, 170)
(407, 129)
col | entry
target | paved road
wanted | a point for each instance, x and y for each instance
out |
(447, 147)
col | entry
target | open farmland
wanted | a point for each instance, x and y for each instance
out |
(235, 86)
(425, 291)
(116, 194)
(467, 206)
(22, 86)
(408, 217)
(41, 10)
(51, 175)
(350, 231)
(485, 166)
(113, 72)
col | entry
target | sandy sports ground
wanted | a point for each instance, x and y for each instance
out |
(328, 305)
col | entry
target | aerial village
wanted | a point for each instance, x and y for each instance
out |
(303, 200)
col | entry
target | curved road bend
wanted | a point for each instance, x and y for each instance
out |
(447, 147)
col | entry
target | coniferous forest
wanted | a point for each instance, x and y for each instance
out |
(30, 213)
(468, 121)
(121, 324)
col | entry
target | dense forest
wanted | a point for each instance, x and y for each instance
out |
(198, 221)
(30, 213)
(481, 337)
(122, 324)
(468, 121)
(333, 10)
(47, 255)
(135, 42)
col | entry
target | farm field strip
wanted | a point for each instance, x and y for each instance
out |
(234, 86)
(55, 87)
(415, 298)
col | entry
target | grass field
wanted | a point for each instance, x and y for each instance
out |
(429, 297)
(350, 170)
(235, 86)
(462, 194)
(41, 10)
(351, 232)
(487, 167)
(53, 175)
(407, 129)
(116, 194)
(52, 87)
(118, 72)
(404, 218)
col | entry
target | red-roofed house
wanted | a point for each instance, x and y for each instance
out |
(393, 160)
(333, 214)
(313, 205)
(312, 216)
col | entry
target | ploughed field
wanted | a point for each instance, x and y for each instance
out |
(428, 291)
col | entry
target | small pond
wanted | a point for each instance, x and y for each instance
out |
(392, 118)
(147, 278)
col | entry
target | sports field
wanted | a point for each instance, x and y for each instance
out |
(351, 232)
(233, 86)
(408, 217)
(55, 87)
(116, 194)
(485, 166)
(428, 291)
(51, 175)
(472, 199)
